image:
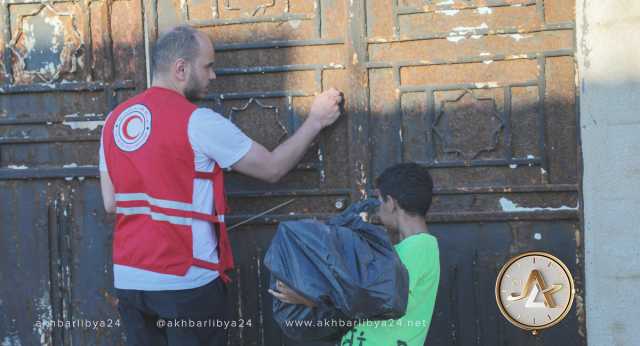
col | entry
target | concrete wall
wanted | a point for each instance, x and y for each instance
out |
(609, 69)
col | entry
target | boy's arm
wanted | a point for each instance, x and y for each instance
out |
(287, 295)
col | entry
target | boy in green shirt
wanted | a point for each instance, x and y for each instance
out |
(405, 192)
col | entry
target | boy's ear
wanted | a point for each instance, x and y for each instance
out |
(392, 203)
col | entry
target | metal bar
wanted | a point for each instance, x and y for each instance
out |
(358, 96)
(540, 10)
(318, 18)
(476, 32)
(217, 22)
(396, 19)
(435, 218)
(542, 87)
(404, 10)
(35, 120)
(66, 86)
(6, 36)
(502, 189)
(471, 59)
(25, 2)
(275, 69)
(398, 121)
(55, 270)
(86, 31)
(481, 163)
(551, 215)
(506, 115)
(318, 79)
(45, 173)
(91, 171)
(53, 139)
(275, 44)
(430, 116)
(448, 87)
(248, 95)
(287, 193)
(507, 189)
(108, 41)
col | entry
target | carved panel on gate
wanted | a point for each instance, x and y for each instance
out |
(260, 121)
(466, 126)
(47, 45)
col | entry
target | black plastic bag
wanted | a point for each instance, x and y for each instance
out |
(347, 267)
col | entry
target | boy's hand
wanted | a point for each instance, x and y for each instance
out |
(287, 295)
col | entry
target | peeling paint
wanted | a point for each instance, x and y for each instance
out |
(17, 167)
(486, 85)
(11, 340)
(487, 62)
(518, 37)
(484, 10)
(513, 166)
(295, 23)
(322, 171)
(462, 30)
(44, 315)
(455, 39)
(83, 124)
(511, 207)
(449, 12)
(444, 3)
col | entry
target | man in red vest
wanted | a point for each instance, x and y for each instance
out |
(161, 161)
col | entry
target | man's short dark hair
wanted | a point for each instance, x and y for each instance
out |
(179, 42)
(408, 183)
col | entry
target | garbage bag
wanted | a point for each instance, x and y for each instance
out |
(346, 266)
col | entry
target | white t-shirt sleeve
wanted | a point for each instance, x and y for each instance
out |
(218, 138)
(102, 162)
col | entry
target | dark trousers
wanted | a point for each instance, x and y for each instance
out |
(181, 317)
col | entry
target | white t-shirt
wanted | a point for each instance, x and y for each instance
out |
(213, 139)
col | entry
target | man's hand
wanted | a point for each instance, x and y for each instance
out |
(325, 109)
(287, 295)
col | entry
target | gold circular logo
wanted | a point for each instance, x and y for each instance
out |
(534, 291)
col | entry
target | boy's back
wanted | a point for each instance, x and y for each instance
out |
(420, 254)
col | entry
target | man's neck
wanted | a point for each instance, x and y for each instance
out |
(163, 83)
(411, 225)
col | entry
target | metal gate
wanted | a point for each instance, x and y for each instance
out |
(481, 91)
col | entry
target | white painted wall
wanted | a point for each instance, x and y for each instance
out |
(608, 38)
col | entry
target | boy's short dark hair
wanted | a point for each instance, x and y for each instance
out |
(408, 183)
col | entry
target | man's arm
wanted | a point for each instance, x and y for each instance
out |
(271, 166)
(108, 195)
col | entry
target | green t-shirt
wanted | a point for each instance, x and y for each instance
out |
(420, 254)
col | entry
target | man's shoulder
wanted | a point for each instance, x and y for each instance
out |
(204, 113)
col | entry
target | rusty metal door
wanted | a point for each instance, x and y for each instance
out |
(481, 91)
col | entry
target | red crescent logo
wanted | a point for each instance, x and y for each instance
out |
(125, 127)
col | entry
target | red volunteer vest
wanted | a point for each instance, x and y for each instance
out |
(151, 165)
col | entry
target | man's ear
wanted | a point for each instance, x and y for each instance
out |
(180, 69)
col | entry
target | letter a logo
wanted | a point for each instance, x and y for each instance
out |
(535, 284)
